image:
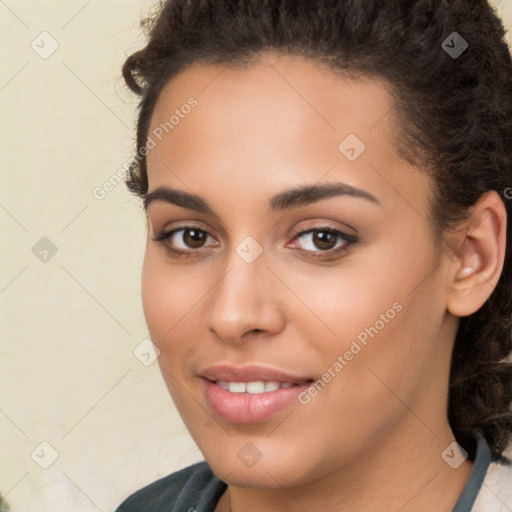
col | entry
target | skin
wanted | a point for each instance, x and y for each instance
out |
(373, 438)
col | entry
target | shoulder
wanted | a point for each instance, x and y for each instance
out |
(496, 492)
(194, 487)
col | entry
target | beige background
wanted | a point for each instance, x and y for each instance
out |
(69, 326)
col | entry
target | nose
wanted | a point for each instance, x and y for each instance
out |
(244, 301)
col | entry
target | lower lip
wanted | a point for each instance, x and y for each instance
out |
(248, 407)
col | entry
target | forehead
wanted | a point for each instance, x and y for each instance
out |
(278, 119)
(302, 88)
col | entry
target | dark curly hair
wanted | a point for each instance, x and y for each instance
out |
(454, 114)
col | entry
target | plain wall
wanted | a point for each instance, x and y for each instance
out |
(70, 323)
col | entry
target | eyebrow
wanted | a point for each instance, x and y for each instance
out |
(293, 198)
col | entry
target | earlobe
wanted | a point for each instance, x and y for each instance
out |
(476, 271)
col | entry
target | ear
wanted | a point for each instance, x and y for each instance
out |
(475, 272)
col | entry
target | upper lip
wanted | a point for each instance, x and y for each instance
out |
(249, 373)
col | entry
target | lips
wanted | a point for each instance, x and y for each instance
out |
(251, 373)
(252, 393)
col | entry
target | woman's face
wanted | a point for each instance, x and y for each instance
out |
(339, 284)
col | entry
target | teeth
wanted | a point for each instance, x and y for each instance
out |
(272, 386)
(237, 387)
(253, 387)
(223, 384)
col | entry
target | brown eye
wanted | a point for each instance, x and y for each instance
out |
(324, 240)
(184, 239)
(193, 238)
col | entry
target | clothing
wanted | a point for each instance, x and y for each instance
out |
(197, 489)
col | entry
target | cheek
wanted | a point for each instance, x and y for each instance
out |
(383, 313)
(169, 295)
(342, 302)
(157, 297)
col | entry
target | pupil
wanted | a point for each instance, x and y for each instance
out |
(324, 240)
(194, 238)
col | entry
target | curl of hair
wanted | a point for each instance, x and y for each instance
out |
(453, 116)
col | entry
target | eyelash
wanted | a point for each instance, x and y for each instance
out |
(349, 242)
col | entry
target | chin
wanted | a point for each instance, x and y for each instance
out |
(269, 472)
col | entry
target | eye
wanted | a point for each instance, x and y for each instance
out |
(319, 242)
(184, 240)
(325, 241)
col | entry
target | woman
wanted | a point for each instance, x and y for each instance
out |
(327, 273)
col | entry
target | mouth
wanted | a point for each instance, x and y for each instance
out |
(252, 377)
(257, 386)
(252, 393)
